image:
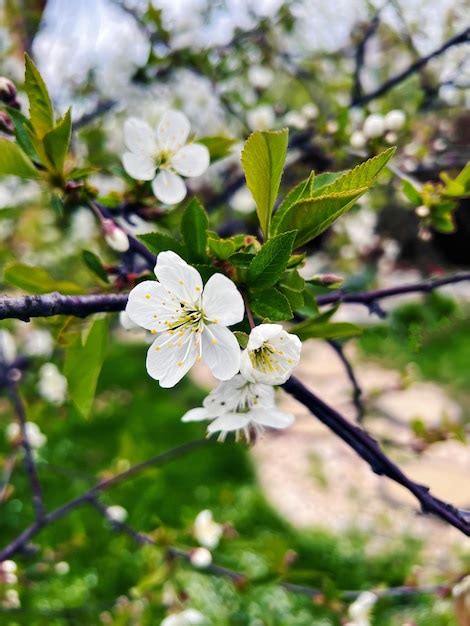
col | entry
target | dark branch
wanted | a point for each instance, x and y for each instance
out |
(369, 450)
(357, 391)
(100, 109)
(460, 38)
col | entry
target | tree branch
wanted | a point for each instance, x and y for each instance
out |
(357, 391)
(369, 450)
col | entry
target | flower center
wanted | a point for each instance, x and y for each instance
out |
(163, 158)
(264, 358)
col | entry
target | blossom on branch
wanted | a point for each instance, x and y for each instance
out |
(206, 530)
(190, 321)
(240, 406)
(187, 617)
(271, 355)
(163, 157)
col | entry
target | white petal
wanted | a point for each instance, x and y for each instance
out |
(228, 422)
(195, 415)
(271, 417)
(179, 278)
(169, 188)
(150, 306)
(191, 160)
(220, 350)
(139, 137)
(246, 368)
(262, 333)
(222, 301)
(170, 357)
(173, 131)
(139, 166)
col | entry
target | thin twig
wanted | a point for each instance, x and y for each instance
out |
(357, 391)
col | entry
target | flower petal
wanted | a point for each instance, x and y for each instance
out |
(222, 301)
(220, 350)
(191, 160)
(169, 188)
(170, 357)
(138, 166)
(228, 422)
(139, 137)
(271, 417)
(262, 333)
(151, 306)
(195, 415)
(173, 131)
(179, 278)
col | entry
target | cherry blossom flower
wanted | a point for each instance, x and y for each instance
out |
(35, 437)
(361, 608)
(271, 355)
(163, 157)
(52, 385)
(374, 126)
(116, 513)
(200, 558)
(187, 617)
(190, 321)
(261, 117)
(395, 119)
(7, 347)
(207, 531)
(240, 406)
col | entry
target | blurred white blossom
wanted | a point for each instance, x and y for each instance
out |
(52, 385)
(261, 118)
(35, 437)
(200, 558)
(207, 531)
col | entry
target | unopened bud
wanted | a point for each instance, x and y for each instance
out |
(422, 211)
(115, 237)
(8, 92)
(200, 557)
(6, 125)
(327, 280)
(425, 234)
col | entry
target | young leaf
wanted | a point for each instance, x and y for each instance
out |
(94, 264)
(270, 304)
(310, 217)
(37, 280)
(14, 162)
(158, 242)
(40, 105)
(271, 261)
(218, 146)
(221, 248)
(263, 161)
(22, 125)
(83, 362)
(57, 141)
(302, 190)
(326, 330)
(194, 225)
(411, 193)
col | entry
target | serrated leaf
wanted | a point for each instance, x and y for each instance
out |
(271, 261)
(310, 217)
(194, 224)
(83, 361)
(56, 142)
(93, 262)
(302, 190)
(22, 124)
(40, 105)
(158, 242)
(263, 160)
(218, 146)
(221, 248)
(37, 280)
(14, 162)
(270, 304)
(360, 177)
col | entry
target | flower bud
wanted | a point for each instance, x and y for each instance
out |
(200, 558)
(6, 125)
(8, 92)
(357, 139)
(115, 237)
(395, 119)
(422, 211)
(374, 126)
(327, 280)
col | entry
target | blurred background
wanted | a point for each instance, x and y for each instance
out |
(349, 79)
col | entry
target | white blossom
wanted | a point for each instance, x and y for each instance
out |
(207, 531)
(38, 342)
(359, 611)
(422, 211)
(239, 406)
(34, 435)
(271, 355)
(62, 568)
(395, 120)
(188, 617)
(52, 385)
(357, 140)
(260, 77)
(295, 119)
(126, 321)
(261, 117)
(374, 126)
(116, 513)
(242, 200)
(200, 558)
(7, 347)
(190, 321)
(310, 111)
(163, 157)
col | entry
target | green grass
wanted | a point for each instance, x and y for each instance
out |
(132, 420)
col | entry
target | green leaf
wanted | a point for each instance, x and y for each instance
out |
(221, 248)
(57, 204)
(326, 330)
(242, 338)
(37, 280)
(360, 177)
(310, 217)
(271, 261)
(323, 180)
(158, 242)
(463, 178)
(270, 304)
(194, 225)
(83, 361)
(93, 262)
(263, 161)
(22, 126)
(302, 190)
(219, 146)
(40, 105)
(443, 223)
(411, 193)
(14, 162)
(292, 286)
(57, 141)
